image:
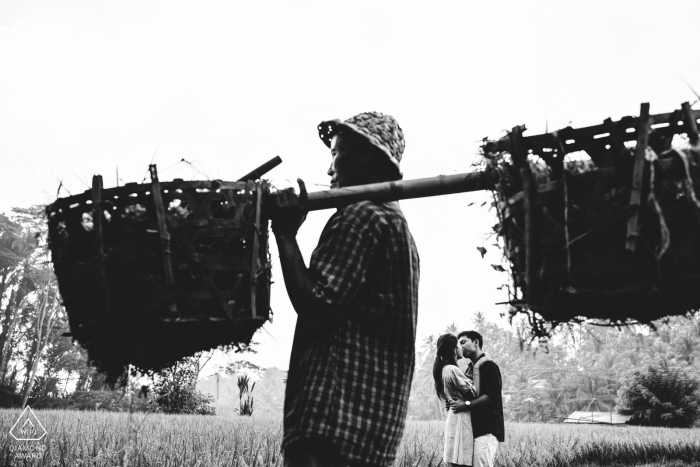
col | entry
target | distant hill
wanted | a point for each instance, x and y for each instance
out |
(268, 394)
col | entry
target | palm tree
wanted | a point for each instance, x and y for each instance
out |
(428, 346)
(606, 361)
(479, 320)
(596, 341)
(594, 393)
(452, 329)
(686, 348)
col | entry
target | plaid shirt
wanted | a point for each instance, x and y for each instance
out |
(353, 354)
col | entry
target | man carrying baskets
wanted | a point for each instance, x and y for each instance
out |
(357, 304)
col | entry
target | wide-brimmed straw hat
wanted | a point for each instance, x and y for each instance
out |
(382, 131)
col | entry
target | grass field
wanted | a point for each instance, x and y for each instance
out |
(111, 439)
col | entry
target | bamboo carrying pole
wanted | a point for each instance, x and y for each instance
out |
(262, 170)
(394, 191)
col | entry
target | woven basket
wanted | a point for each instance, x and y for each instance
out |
(615, 237)
(151, 273)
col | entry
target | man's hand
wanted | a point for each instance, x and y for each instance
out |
(288, 211)
(458, 406)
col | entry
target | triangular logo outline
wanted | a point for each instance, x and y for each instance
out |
(29, 416)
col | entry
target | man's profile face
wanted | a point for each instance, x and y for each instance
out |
(469, 347)
(345, 169)
(459, 354)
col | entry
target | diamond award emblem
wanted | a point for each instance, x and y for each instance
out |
(28, 427)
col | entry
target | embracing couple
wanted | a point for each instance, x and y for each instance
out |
(474, 424)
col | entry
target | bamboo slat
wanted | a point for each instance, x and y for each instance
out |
(163, 231)
(97, 216)
(691, 123)
(637, 175)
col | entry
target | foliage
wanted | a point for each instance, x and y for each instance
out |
(77, 438)
(9, 397)
(243, 366)
(175, 389)
(183, 400)
(43, 386)
(270, 392)
(33, 319)
(109, 401)
(245, 407)
(423, 404)
(661, 393)
(56, 403)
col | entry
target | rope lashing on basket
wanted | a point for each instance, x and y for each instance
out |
(688, 182)
(566, 213)
(651, 199)
(566, 228)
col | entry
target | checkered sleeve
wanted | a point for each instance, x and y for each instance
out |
(340, 264)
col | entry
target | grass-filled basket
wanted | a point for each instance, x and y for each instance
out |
(151, 273)
(601, 222)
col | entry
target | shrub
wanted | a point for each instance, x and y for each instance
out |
(172, 398)
(110, 401)
(9, 398)
(53, 403)
(175, 390)
(660, 394)
(245, 406)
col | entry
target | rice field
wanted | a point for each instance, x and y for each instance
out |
(120, 439)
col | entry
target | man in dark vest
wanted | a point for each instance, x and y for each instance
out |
(487, 408)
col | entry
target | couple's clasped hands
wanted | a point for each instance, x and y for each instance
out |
(456, 405)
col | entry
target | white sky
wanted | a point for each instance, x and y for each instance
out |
(87, 87)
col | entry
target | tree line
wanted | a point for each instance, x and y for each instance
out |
(583, 367)
(37, 360)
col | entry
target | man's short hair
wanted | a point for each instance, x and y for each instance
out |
(473, 335)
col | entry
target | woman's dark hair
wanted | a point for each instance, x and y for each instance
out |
(379, 167)
(446, 345)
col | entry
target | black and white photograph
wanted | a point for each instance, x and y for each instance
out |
(382, 233)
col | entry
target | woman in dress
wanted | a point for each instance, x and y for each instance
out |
(451, 383)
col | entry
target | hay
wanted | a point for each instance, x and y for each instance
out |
(587, 260)
(135, 297)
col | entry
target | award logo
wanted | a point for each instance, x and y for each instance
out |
(28, 427)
